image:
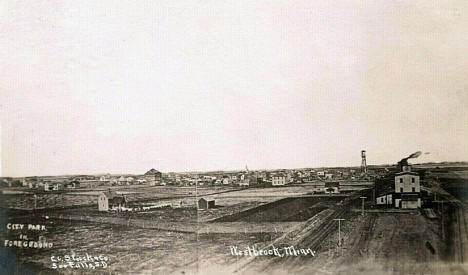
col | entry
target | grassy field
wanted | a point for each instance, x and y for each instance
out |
(89, 197)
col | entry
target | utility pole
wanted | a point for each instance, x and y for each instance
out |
(442, 217)
(339, 230)
(362, 198)
(373, 194)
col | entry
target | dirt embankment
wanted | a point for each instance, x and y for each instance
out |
(284, 210)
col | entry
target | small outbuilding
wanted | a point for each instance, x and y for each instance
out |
(205, 204)
(384, 199)
(332, 187)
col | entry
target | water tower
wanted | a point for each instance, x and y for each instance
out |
(363, 162)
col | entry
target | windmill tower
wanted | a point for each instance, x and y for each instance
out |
(363, 162)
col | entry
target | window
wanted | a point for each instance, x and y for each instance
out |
(414, 189)
(401, 189)
(401, 180)
(412, 180)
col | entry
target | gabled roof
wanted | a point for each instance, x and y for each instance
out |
(120, 199)
(115, 198)
(407, 173)
(152, 171)
(207, 200)
(110, 194)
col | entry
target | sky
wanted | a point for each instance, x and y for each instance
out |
(92, 87)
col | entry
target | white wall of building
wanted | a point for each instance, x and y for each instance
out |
(407, 183)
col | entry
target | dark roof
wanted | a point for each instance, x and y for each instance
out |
(332, 184)
(110, 194)
(152, 171)
(118, 200)
(115, 198)
(407, 172)
(409, 197)
(202, 199)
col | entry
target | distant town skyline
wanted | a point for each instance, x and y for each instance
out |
(122, 87)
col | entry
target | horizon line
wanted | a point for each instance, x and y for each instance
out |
(237, 170)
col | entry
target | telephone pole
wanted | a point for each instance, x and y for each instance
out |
(362, 198)
(442, 216)
(339, 230)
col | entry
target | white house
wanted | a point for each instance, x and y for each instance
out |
(104, 177)
(244, 182)
(278, 180)
(407, 189)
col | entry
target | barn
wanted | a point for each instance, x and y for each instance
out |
(205, 204)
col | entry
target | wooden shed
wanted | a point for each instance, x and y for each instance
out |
(205, 204)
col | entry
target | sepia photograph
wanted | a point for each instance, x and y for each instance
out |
(200, 137)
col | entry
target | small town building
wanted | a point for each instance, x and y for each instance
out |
(110, 200)
(205, 204)
(244, 183)
(278, 180)
(69, 185)
(407, 189)
(332, 187)
(290, 177)
(105, 178)
(103, 202)
(122, 180)
(153, 177)
(385, 199)
(56, 186)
